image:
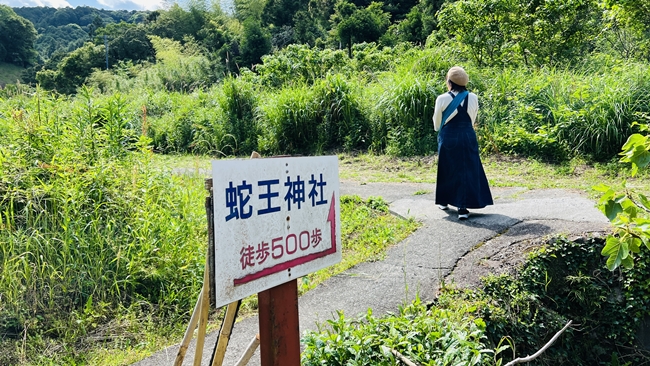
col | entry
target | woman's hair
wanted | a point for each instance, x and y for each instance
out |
(456, 87)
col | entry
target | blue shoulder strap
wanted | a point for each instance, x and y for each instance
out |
(452, 106)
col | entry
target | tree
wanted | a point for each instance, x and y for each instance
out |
(628, 25)
(634, 12)
(247, 9)
(484, 27)
(64, 16)
(355, 25)
(282, 12)
(307, 29)
(73, 69)
(399, 8)
(96, 24)
(17, 37)
(420, 21)
(66, 38)
(255, 43)
(536, 32)
(558, 31)
(178, 23)
(126, 42)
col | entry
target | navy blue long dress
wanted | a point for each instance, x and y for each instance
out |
(461, 180)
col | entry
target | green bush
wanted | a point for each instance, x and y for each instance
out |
(565, 280)
(561, 111)
(288, 118)
(339, 115)
(428, 337)
(239, 102)
(88, 226)
(516, 140)
(299, 64)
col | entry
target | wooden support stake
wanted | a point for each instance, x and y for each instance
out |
(224, 334)
(250, 350)
(203, 319)
(202, 308)
(189, 332)
(279, 325)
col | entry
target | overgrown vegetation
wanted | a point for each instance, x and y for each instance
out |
(426, 335)
(99, 242)
(512, 316)
(553, 115)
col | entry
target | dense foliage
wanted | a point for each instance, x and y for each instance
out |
(66, 29)
(566, 280)
(629, 210)
(512, 316)
(306, 100)
(88, 228)
(426, 335)
(488, 32)
(17, 37)
(97, 241)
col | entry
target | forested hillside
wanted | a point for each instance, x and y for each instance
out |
(489, 32)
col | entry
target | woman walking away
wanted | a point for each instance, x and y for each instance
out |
(461, 180)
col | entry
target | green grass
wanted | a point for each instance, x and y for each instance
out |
(501, 170)
(9, 73)
(82, 274)
(367, 229)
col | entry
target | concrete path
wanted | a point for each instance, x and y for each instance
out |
(417, 265)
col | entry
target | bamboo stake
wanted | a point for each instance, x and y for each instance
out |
(224, 334)
(203, 320)
(250, 350)
(403, 358)
(539, 353)
(189, 332)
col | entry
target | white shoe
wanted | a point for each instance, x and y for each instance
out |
(463, 214)
(443, 207)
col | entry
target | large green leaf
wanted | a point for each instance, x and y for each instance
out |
(616, 251)
(612, 209)
(635, 151)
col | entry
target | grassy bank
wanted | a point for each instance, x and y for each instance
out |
(501, 170)
(102, 253)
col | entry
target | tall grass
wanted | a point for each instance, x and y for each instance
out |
(402, 116)
(306, 119)
(239, 103)
(96, 238)
(556, 114)
(305, 100)
(87, 227)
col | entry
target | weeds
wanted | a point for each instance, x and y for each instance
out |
(98, 238)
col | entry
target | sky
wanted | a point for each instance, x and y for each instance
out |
(100, 4)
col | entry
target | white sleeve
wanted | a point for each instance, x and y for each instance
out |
(442, 101)
(472, 107)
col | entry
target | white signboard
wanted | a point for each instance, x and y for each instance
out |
(274, 220)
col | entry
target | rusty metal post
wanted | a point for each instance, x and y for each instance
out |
(279, 325)
(209, 201)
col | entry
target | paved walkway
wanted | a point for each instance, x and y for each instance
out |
(419, 263)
